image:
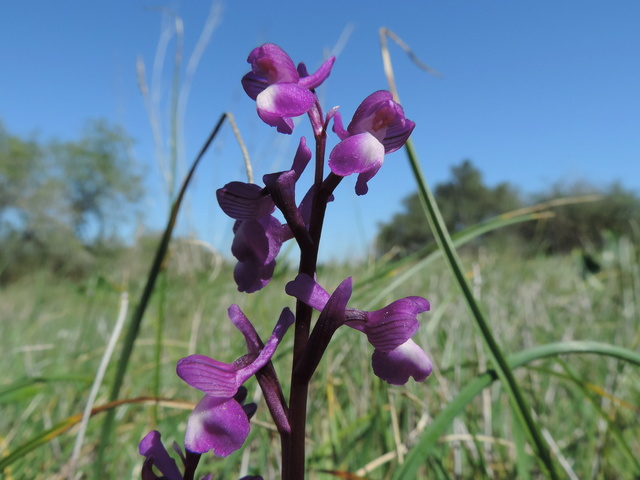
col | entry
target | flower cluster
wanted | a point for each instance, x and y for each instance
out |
(221, 420)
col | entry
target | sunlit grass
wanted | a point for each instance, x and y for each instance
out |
(55, 331)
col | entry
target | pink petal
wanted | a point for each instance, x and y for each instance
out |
(242, 201)
(356, 154)
(395, 367)
(393, 325)
(283, 100)
(314, 80)
(272, 62)
(210, 376)
(216, 424)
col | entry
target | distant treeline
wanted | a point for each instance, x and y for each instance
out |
(580, 222)
(62, 202)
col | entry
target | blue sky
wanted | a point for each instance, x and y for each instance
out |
(531, 92)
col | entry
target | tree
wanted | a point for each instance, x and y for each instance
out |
(58, 198)
(20, 165)
(582, 224)
(98, 176)
(464, 200)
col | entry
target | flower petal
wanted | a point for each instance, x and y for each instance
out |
(285, 100)
(216, 424)
(314, 80)
(151, 447)
(305, 289)
(254, 84)
(280, 101)
(256, 245)
(398, 133)
(356, 154)
(361, 184)
(284, 322)
(242, 201)
(269, 64)
(391, 326)
(362, 118)
(210, 376)
(361, 153)
(282, 124)
(273, 63)
(384, 118)
(395, 367)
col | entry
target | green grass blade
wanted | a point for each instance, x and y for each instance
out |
(69, 422)
(27, 388)
(416, 456)
(516, 397)
(615, 431)
(37, 440)
(136, 319)
(426, 255)
(429, 253)
(523, 459)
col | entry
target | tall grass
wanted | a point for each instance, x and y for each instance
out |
(54, 333)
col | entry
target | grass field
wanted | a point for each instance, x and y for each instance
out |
(54, 333)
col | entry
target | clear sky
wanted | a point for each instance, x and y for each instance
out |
(531, 92)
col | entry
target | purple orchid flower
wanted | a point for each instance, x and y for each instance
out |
(396, 357)
(220, 422)
(256, 244)
(156, 454)
(278, 88)
(378, 127)
(258, 234)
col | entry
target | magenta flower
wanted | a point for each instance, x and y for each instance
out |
(278, 88)
(258, 234)
(256, 244)
(396, 357)
(378, 127)
(156, 454)
(220, 422)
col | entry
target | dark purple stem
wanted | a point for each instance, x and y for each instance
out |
(294, 456)
(191, 463)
